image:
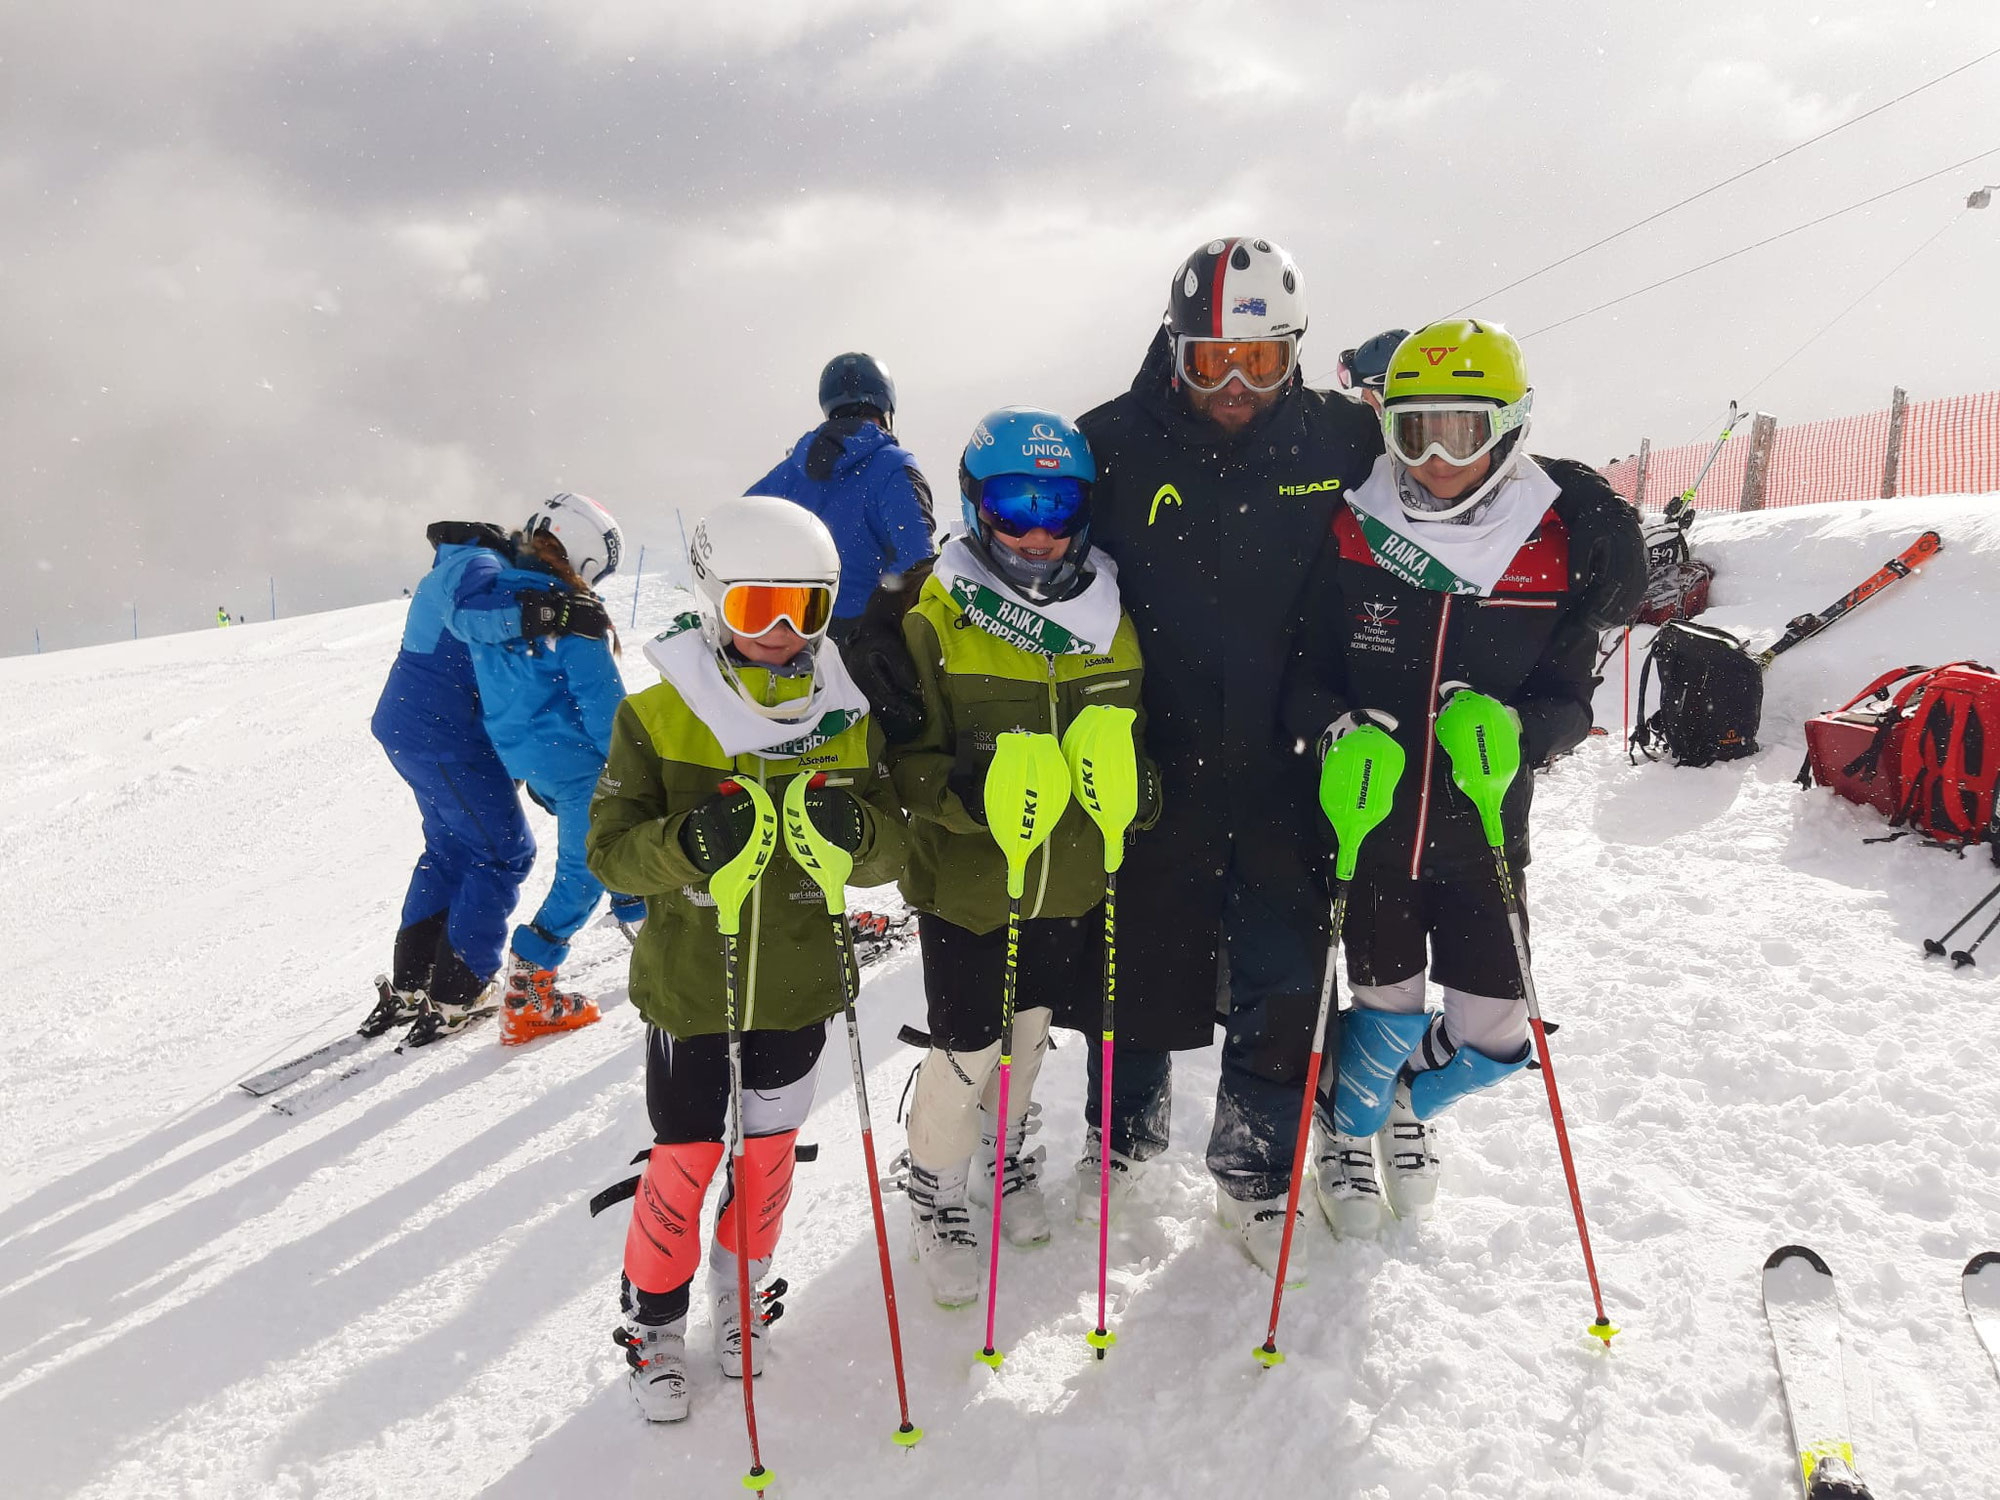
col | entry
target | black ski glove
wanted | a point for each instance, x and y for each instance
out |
(967, 780)
(553, 612)
(838, 815)
(878, 659)
(715, 832)
(1147, 813)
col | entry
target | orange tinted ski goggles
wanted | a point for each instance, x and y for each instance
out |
(757, 609)
(1261, 364)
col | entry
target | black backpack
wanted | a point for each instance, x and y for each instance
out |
(1711, 696)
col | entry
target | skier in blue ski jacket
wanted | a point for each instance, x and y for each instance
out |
(851, 473)
(477, 847)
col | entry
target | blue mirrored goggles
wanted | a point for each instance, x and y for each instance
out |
(1016, 504)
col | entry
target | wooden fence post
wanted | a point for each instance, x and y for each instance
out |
(1639, 484)
(1899, 404)
(1759, 462)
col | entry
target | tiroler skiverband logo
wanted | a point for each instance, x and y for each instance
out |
(1375, 628)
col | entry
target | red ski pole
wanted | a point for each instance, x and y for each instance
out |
(1357, 785)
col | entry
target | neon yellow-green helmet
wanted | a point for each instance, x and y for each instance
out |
(1462, 358)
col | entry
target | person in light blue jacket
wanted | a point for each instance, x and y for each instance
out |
(851, 473)
(548, 698)
(477, 847)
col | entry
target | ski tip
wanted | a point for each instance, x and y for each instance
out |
(907, 1436)
(1796, 1252)
(1981, 1262)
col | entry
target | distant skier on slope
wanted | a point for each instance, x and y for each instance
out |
(751, 691)
(1018, 624)
(1462, 564)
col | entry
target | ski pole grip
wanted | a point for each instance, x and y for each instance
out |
(816, 854)
(732, 883)
(1104, 773)
(1026, 794)
(1484, 744)
(1357, 788)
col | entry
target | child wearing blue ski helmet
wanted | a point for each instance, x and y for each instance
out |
(1019, 621)
(1027, 471)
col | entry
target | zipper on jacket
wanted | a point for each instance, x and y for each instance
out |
(1518, 603)
(756, 933)
(1430, 741)
(1055, 728)
(1105, 687)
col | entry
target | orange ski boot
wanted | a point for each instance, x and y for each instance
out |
(535, 1007)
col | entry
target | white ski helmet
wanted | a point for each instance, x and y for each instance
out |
(758, 539)
(589, 536)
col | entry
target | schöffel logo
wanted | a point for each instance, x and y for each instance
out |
(1254, 306)
(1436, 353)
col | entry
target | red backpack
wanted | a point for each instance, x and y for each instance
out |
(1939, 738)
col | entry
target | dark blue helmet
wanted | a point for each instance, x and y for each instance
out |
(1367, 364)
(856, 380)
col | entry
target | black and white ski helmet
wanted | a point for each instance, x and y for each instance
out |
(1238, 288)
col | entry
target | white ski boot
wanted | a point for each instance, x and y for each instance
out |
(1024, 1217)
(659, 1374)
(765, 1310)
(1409, 1160)
(1346, 1183)
(941, 1238)
(1259, 1226)
(1090, 1177)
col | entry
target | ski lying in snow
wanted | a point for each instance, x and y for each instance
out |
(1981, 1282)
(387, 1014)
(1805, 627)
(1804, 1317)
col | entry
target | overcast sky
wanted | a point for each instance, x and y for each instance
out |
(281, 283)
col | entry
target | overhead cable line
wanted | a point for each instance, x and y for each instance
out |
(1872, 290)
(1738, 177)
(1760, 244)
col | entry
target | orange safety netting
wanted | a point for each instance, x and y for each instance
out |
(1950, 446)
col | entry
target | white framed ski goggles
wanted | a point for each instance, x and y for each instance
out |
(1459, 432)
(1210, 364)
(756, 609)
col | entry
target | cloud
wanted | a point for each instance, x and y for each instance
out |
(1374, 114)
(1750, 95)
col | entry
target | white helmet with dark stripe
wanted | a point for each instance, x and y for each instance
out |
(589, 537)
(1239, 288)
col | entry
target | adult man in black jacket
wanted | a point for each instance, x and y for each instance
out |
(1460, 565)
(1218, 474)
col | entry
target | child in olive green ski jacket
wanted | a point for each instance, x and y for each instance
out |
(749, 695)
(1018, 627)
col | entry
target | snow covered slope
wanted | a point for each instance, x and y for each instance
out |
(400, 1292)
